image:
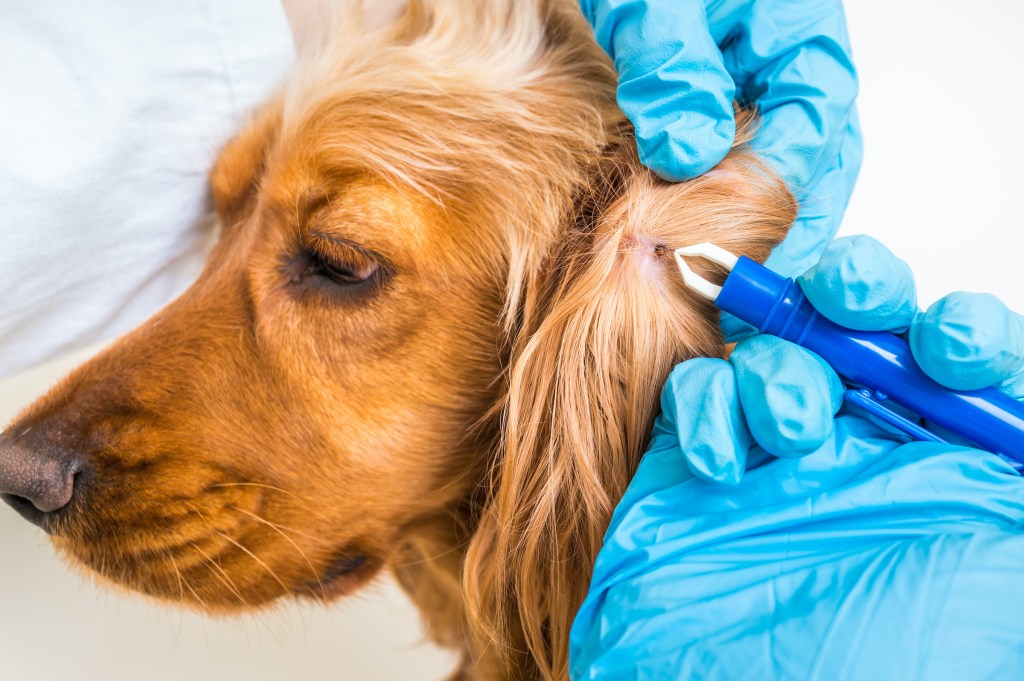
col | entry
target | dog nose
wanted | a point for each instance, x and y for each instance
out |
(36, 483)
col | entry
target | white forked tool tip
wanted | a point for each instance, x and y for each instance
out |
(711, 252)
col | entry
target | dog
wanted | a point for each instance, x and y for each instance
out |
(430, 340)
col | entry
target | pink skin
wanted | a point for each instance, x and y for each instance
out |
(647, 253)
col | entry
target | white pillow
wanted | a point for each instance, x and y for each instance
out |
(112, 113)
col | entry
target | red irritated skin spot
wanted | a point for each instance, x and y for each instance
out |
(646, 253)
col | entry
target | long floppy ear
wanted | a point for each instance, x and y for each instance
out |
(583, 389)
(240, 164)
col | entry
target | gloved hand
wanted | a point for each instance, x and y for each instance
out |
(868, 558)
(784, 397)
(681, 64)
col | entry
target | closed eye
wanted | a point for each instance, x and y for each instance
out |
(346, 273)
(338, 266)
(343, 262)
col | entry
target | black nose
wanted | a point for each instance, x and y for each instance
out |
(37, 483)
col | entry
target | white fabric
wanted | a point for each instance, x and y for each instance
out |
(111, 113)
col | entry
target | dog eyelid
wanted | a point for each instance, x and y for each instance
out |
(344, 262)
(350, 273)
(328, 245)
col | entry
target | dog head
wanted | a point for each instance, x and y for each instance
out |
(444, 285)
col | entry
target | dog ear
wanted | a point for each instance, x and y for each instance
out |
(240, 164)
(584, 385)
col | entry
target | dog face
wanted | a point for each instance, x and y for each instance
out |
(274, 429)
(326, 383)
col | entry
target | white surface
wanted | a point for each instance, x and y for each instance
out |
(940, 96)
(944, 157)
(57, 626)
(112, 114)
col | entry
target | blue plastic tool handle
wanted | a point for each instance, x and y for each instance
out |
(874, 403)
(877, 360)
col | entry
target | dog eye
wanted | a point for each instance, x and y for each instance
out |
(341, 262)
(347, 273)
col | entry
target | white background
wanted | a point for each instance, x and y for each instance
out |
(942, 87)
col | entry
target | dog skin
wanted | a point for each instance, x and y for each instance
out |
(430, 340)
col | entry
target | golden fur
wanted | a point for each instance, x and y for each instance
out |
(468, 414)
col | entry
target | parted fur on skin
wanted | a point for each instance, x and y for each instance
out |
(467, 414)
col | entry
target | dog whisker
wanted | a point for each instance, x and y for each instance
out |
(275, 489)
(188, 585)
(177, 572)
(280, 530)
(255, 558)
(222, 575)
(226, 580)
(230, 584)
(181, 597)
(278, 526)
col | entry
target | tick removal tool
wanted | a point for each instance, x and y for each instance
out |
(876, 366)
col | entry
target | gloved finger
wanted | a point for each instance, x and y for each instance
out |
(789, 395)
(793, 61)
(821, 209)
(705, 407)
(673, 85)
(968, 341)
(858, 283)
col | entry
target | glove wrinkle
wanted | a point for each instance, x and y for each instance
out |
(712, 433)
(673, 85)
(867, 559)
(788, 395)
(968, 341)
(858, 283)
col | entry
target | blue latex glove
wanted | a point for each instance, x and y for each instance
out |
(681, 64)
(867, 558)
(784, 397)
